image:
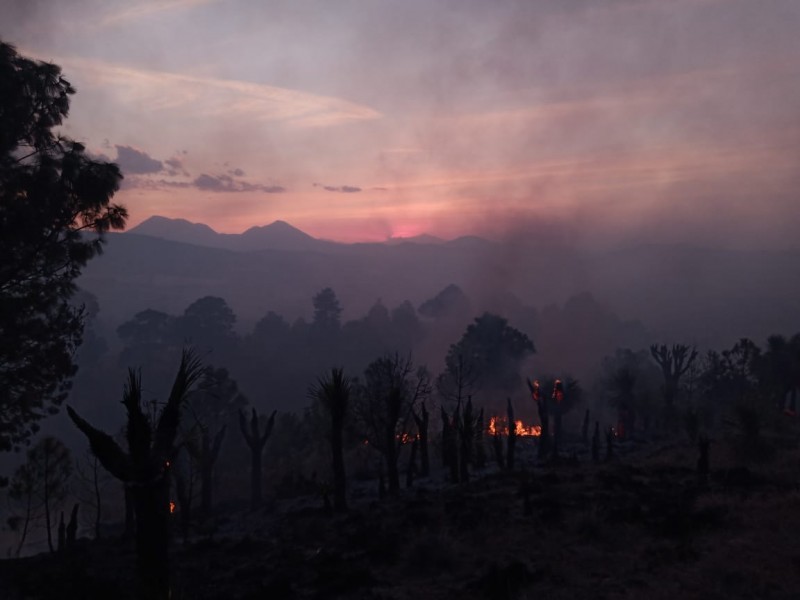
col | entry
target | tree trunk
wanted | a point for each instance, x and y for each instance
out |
(97, 500)
(206, 473)
(151, 502)
(391, 467)
(255, 476)
(339, 476)
(47, 504)
(130, 513)
(544, 420)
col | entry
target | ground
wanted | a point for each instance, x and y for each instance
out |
(643, 525)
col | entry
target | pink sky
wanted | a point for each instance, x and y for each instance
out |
(353, 120)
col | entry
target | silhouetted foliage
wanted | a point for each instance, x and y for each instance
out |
(145, 467)
(333, 392)
(493, 351)
(40, 484)
(54, 209)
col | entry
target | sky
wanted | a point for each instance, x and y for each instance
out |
(605, 122)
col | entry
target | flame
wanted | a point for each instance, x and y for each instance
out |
(171, 507)
(498, 426)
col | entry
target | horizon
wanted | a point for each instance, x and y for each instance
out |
(601, 124)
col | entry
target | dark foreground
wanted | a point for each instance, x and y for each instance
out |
(644, 527)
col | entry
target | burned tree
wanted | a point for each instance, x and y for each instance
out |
(544, 416)
(467, 426)
(674, 363)
(558, 405)
(512, 436)
(212, 406)
(421, 421)
(391, 389)
(256, 442)
(144, 468)
(333, 392)
(450, 443)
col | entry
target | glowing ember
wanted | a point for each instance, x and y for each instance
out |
(499, 426)
(171, 507)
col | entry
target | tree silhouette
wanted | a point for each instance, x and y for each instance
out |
(256, 442)
(493, 351)
(215, 402)
(674, 363)
(54, 209)
(145, 467)
(386, 399)
(333, 392)
(41, 483)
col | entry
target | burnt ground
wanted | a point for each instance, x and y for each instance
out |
(642, 526)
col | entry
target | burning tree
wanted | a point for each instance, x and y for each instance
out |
(392, 387)
(544, 415)
(333, 392)
(256, 442)
(144, 468)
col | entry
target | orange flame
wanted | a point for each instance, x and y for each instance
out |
(499, 426)
(171, 507)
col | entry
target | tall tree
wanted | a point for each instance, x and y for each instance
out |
(493, 351)
(54, 209)
(333, 391)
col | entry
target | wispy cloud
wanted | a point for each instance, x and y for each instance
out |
(192, 96)
(344, 189)
(148, 8)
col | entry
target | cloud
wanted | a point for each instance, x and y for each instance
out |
(149, 8)
(345, 189)
(175, 167)
(136, 162)
(226, 183)
(191, 97)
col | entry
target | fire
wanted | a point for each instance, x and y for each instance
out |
(171, 507)
(499, 426)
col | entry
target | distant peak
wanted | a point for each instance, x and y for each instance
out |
(158, 222)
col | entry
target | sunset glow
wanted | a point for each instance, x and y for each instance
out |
(376, 120)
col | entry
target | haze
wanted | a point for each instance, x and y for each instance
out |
(607, 123)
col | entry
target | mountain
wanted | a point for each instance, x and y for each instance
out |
(178, 230)
(278, 235)
(417, 239)
(275, 236)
